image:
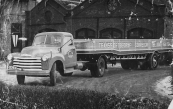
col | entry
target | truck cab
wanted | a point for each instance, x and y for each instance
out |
(51, 52)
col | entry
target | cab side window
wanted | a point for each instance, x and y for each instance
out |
(56, 40)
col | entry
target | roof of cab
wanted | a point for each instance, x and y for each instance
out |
(59, 33)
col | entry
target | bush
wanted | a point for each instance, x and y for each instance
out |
(39, 97)
(131, 102)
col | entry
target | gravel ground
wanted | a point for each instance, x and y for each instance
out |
(147, 83)
(164, 87)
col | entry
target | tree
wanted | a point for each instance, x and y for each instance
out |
(6, 18)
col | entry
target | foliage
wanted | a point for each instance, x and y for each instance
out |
(130, 102)
(40, 97)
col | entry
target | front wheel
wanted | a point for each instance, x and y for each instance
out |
(53, 75)
(20, 79)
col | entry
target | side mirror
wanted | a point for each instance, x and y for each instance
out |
(71, 42)
(59, 49)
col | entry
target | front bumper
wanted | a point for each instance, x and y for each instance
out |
(28, 73)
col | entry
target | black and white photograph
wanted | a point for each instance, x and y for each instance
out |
(86, 54)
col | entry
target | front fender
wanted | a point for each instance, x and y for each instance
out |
(17, 54)
(57, 57)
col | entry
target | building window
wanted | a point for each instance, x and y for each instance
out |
(16, 33)
(48, 16)
(46, 30)
(140, 33)
(110, 33)
(85, 33)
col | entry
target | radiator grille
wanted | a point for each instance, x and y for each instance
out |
(27, 63)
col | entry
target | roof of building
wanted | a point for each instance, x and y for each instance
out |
(69, 4)
(158, 2)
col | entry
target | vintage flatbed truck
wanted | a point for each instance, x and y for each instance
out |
(58, 52)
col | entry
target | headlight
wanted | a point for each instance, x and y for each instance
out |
(46, 57)
(9, 57)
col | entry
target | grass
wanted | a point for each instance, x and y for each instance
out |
(42, 97)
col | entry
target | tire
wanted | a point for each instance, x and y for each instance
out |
(133, 64)
(162, 59)
(99, 69)
(53, 75)
(21, 79)
(144, 66)
(165, 59)
(168, 59)
(93, 72)
(153, 61)
(125, 64)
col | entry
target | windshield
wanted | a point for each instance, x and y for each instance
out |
(47, 40)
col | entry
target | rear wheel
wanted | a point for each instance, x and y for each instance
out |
(133, 64)
(168, 59)
(93, 71)
(153, 61)
(99, 69)
(53, 75)
(165, 58)
(125, 64)
(20, 79)
(162, 59)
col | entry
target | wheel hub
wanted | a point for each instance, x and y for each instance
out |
(101, 68)
(154, 61)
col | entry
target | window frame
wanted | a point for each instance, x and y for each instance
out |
(86, 30)
(141, 33)
(111, 30)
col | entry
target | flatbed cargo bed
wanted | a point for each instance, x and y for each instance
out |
(122, 46)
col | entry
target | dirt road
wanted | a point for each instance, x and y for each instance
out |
(115, 80)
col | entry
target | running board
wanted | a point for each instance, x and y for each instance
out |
(69, 70)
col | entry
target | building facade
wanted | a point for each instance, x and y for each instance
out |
(116, 19)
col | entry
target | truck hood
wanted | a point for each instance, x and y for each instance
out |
(38, 51)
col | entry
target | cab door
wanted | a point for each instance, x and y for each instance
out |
(69, 52)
